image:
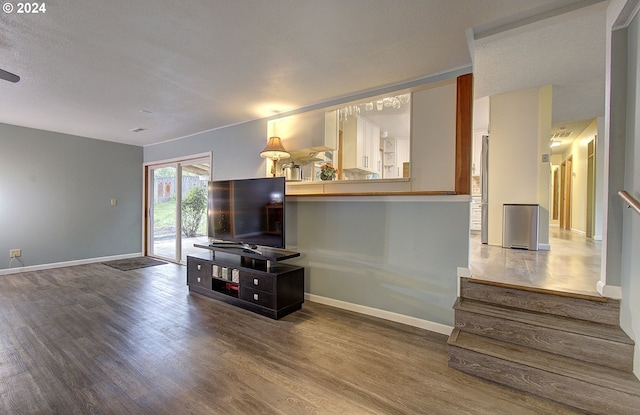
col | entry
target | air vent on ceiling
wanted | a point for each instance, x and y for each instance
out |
(137, 130)
(563, 134)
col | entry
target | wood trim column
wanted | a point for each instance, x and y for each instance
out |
(464, 125)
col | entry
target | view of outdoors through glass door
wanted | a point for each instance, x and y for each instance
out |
(195, 177)
(177, 195)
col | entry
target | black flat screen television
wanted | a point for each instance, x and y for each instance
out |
(247, 212)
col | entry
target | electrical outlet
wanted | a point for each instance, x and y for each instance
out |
(15, 253)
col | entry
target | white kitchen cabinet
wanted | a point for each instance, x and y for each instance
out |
(361, 146)
(476, 213)
(395, 152)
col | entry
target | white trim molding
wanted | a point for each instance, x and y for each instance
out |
(67, 263)
(464, 272)
(544, 247)
(383, 314)
(609, 291)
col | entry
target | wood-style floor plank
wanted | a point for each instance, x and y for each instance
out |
(92, 339)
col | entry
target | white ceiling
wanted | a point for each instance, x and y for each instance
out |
(566, 51)
(102, 68)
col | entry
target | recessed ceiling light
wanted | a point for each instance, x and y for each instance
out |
(556, 143)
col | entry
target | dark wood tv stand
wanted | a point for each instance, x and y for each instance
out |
(255, 282)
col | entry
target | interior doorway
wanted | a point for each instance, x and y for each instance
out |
(556, 194)
(176, 207)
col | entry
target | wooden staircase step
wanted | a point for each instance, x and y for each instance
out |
(589, 328)
(583, 385)
(529, 288)
(590, 308)
(584, 340)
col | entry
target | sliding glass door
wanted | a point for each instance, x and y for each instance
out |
(177, 207)
(195, 177)
(164, 205)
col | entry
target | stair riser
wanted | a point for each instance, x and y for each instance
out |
(599, 312)
(570, 391)
(577, 346)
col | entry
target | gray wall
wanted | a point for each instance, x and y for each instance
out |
(630, 306)
(55, 193)
(236, 150)
(398, 256)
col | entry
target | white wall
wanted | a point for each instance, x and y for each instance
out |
(545, 99)
(300, 131)
(433, 138)
(481, 111)
(514, 154)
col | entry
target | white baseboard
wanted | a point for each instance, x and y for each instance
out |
(597, 237)
(609, 291)
(386, 315)
(464, 272)
(544, 247)
(67, 263)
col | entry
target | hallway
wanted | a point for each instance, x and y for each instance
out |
(572, 265)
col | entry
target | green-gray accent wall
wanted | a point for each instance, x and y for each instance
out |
(55, 197)
(399, 256)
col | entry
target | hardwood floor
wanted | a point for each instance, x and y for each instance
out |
(572, 265)
(91, 339)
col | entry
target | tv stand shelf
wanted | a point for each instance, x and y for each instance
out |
(255, 282)
(267, 254)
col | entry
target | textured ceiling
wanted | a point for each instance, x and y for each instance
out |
(566, 51)
(102, 68)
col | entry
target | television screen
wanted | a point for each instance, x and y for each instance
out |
(247, 211)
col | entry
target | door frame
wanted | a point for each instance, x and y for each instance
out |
(563, 169)
(591, 188)
(566, 184)
(146, 206)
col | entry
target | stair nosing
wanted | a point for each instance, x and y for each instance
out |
(593, 373)
(539, 290)
(546, 320)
